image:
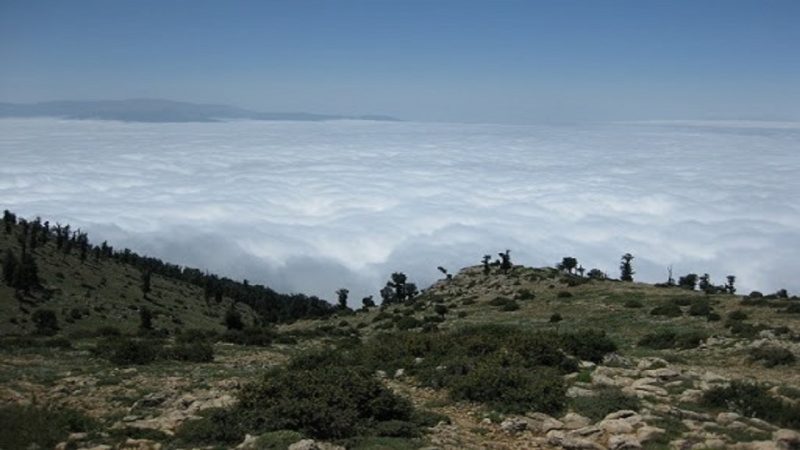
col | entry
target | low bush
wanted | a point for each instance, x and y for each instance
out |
(753, 400)
(669, 339)
(564, 294)
(192, 335)
(588, 345)
(700, 308)
(772, 355)
(499, 301)
(792, 309)
(525, 294)
(251, 336)
(633, 303)
(667, 310)
(606, 401)
(510, 388)
(737, 315)
(510, 306)
(407, 323)
(127, 351)
(193, 352)
(36, 426)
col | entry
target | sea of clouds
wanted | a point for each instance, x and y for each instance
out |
(314, 206)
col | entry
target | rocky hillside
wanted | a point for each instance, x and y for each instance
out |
(521, 358)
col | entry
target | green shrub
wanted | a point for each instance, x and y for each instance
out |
(713, 317)
(125, 351)
(216, 425)
(772, 355)
(633, 303)
(794, 308)
(737, 315)
(667, 310)
(325, 402)
(753, 400)
(745, 330)
(606, 401)
(510, 306)
(564, 294)
(589, 345)
(499, 301)
(512, 389)
(700, 308)
(193, 352)
(667, 339)
(396, 428)
(107, 331)
(36, 426)
(192, 335)
(252, 336)
(45, 321)
(277, 440)
(683, 301)
(525, 294)
(407, 323)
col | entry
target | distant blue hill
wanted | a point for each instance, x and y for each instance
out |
(155, 110)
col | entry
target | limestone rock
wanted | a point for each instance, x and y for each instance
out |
(513, 425)
(649, 433)
(786, 439)
(574, 421)
(140, 444)
(615, 426)
(726, 418)
(624, 442)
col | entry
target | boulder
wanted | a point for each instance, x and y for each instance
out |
(726, 418)
(513, 425)
(615, 426)
(786, 439)
(573, 421)
(649, 433)
(624, 442)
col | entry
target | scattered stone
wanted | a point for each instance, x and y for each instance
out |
(624, 442)
(615, 426)
(691, 396)
(786, 439)
(714, 444)
(575, 392)
(399, 373)
(248, 443)
(587, 365)
(304, 444)
(651, 363)
(649, 433)
(621, 414)
(140, 444)
(664, 373)
(381, 374)
(513, 425)
(573, 421)
(726, 418)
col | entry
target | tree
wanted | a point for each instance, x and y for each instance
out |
(705, 284)
(729, 287)
(145, 319)
(625, 268)
(45, 321)
(233, 319)
(670, 280)
(568, 264)
(368, 302)
(387, 294)
(440, 310)
(26, 273)
(505, 261)
(596, 274)
(341, 294)
(580, 270)
(444, 271)
(9, 220)
(688, 281)
(146, 282)
(9, 267)
(485, 262)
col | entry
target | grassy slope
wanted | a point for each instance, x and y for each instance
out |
(104, 292)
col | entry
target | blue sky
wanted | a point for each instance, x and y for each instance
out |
(490, 61)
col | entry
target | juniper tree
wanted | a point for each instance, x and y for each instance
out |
(486, 268)
(729, 287)
(9, 267)
(341, 294)
(368, 302)
(233, 319)
(625, 267)
(46, 322)
(689, 281)
(596, 274)
(568, 263)
(146, 282)
(505, 261)
(704, 284)
(145, 319)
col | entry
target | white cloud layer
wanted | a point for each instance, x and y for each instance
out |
(311, 207)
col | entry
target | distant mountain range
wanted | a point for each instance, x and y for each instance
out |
(156, 110)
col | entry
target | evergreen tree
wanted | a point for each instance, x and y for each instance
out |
(505, 261)
(341, 295)
(625, 267)
(729, 287)
(368, 302)
(46, 322)
(705, 284)
(485, 262)
(9, 267)
(145, 319)
(233, 319)
(146, 282)
(568, 264)
(26, 275)
(688, 282)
